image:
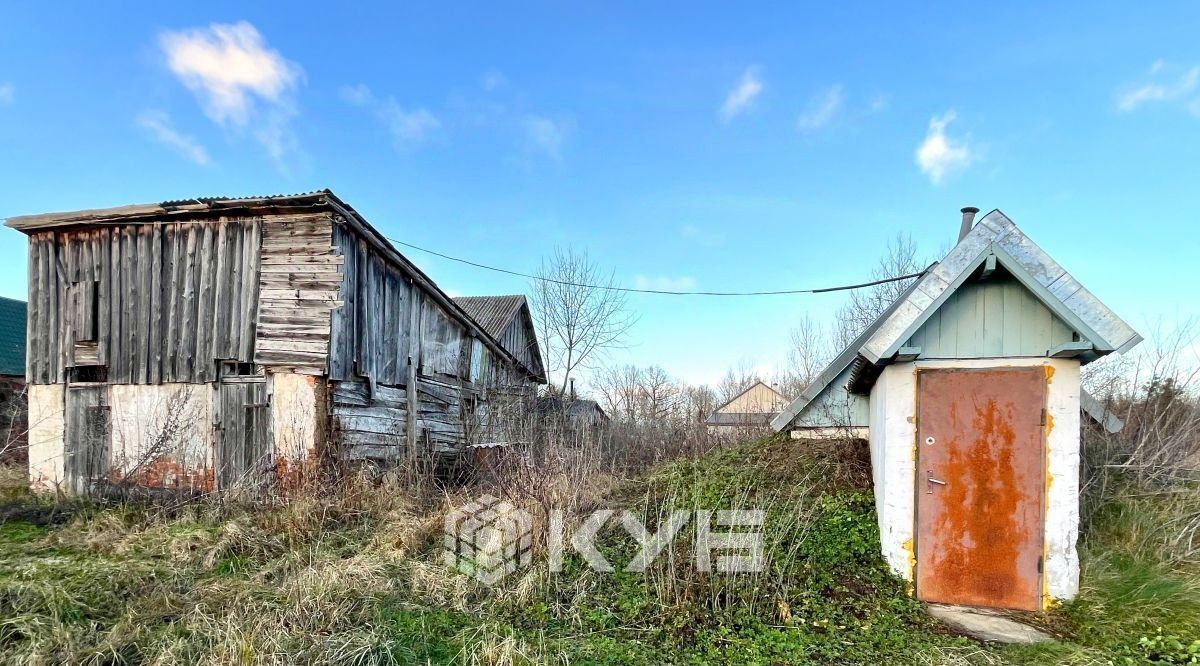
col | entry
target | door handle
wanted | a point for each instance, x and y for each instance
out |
(930, 481)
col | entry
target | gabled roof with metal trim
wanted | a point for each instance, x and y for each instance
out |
(993, 236)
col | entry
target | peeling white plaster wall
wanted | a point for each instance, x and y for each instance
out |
(47, 443)
(893, 463)
(153, 421)
(893, 436)
(294, 422)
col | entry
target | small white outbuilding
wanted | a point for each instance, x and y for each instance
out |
(968, 391)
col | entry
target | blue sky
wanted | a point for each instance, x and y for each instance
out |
(712, 147)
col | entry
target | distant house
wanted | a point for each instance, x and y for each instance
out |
(577, 412)
(968, 389)
(13, 411)
(202, 342)
(753, 408)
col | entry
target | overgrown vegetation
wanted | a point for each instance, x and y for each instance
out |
(356, 576)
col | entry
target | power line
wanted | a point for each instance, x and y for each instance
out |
(666, 292)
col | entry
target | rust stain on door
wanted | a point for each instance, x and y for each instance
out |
(980, 467)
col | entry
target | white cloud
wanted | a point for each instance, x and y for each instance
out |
(664, 283)
(493, 79)
(940, 155)
(878, 103)
(159, 125)
(546, 135)
(406, 126)
(748, 88)
(822, 109)
(701, 236)
(358, 95)
(7, 94)
(1172, 84)
(240, 81)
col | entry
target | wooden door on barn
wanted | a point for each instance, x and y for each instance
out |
(87, 451)
(980, 483)
(244, 455)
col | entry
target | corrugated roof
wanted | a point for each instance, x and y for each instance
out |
(12, 337)
(491, 312)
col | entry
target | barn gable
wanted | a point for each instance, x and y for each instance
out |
(508, 320)
(996, 294)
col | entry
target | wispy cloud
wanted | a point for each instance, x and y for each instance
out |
(701, 236)
(878, 103)
(7, 94)
(160, 127)
(546, 135)
(407, 126)
(358, 95)
(743, 94)
(822, 109)
(240, 81)
(1166, 83)
(939, 155)
(664, 282)
(493, 79)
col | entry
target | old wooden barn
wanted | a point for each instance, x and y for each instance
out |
(198, 343)
(968, 389)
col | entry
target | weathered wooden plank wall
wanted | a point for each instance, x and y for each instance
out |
(153, 303)
(299, 285)
(389, 335)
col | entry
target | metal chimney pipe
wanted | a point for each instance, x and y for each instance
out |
(968, 220)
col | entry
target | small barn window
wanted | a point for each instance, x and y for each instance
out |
(238, 369)
(89, 374)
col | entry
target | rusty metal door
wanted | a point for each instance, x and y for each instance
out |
(980, 484)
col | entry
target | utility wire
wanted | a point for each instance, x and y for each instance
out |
(666, 292)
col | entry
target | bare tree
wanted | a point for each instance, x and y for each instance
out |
(660, 394)
(618, 387)
(811, 350)
(579, 312)
(866, 305)
(737, 379)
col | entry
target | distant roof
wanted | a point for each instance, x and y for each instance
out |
(740, 418)
(576, 407)
(492, 312)
(993, 236)
(750, 387)
(12, 337)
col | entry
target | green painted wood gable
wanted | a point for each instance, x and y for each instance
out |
(992, 318)
(835, 407)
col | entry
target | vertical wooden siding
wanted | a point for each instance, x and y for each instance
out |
(387, 335)
(165, 300)
(997, 317)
